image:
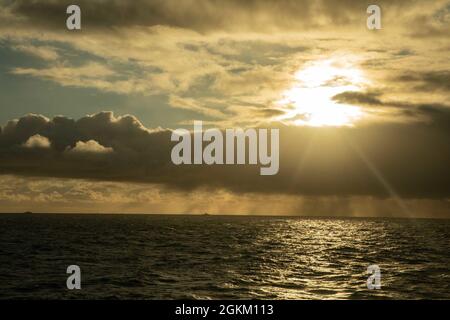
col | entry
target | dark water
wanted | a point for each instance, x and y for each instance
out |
(206, 257)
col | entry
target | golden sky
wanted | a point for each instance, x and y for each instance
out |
(364, 115)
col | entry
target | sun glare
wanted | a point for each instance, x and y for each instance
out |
(311, 95)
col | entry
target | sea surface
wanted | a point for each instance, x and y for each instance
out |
(222, 257)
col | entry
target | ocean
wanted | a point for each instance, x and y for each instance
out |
(222, 257)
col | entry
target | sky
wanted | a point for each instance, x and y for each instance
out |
(364, 115)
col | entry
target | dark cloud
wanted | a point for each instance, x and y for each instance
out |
(203, 15)
(376, 160)
(358, 98)
(197, 15)
(435, 112)
(132, 143)
(266, 112)
(428, 81)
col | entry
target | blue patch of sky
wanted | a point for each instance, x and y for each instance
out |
(20, 95)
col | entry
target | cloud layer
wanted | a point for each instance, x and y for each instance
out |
(382, 160)
(209, 15)
(228, 63)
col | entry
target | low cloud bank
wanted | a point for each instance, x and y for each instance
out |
(381, 160)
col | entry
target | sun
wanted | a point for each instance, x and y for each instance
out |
(310, 99)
